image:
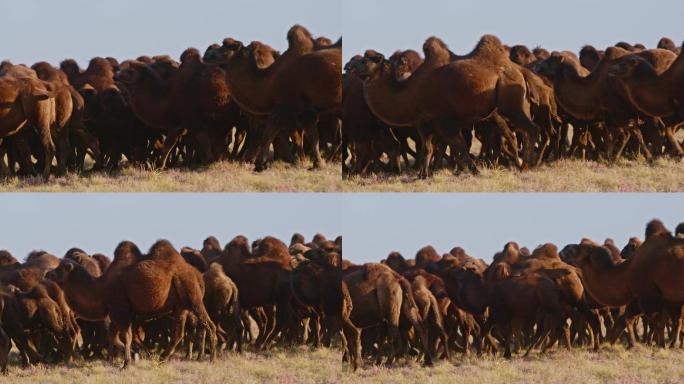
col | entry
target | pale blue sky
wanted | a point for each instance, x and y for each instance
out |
(98, 222)
(372, 224)
(388, 25)
(481, 223)
(34, 30)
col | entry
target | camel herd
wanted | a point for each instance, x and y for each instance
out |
(586, 294)
(233, 102)
(524, 107)
(265, 293)
(204, 300)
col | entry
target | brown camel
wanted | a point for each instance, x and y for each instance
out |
(223, 306)
(26, 101)
(138, 286)
(300, 87)
(377, 295)
(647, 279)
(654, 87)
(591, 98)
(446, 98)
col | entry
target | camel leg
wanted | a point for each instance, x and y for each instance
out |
(128, 340)
(510, 147)
(208, 327)
(5, 345)
(636, 131)
(428, 146)
(178, 319)
(309, 121)
(63, 148)
(271, 129)
(352, 335)
(170, 142)
(676, 147)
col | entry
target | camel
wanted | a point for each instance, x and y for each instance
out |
(301, 86)
(262, 281)
(646, 280)
(654, 87)
(26, 101)
(443, 97)
(223, 306)
(138, 286)
(591, 98)
(378, 294)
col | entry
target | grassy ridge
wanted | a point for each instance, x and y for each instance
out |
(611, 365)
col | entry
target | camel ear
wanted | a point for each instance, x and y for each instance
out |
(69, 267)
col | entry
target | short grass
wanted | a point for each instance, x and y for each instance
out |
(218, 177)
(610, 365)
(664, 175)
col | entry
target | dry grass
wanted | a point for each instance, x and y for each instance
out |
(664, 175)
(219, 177)
(611, 365)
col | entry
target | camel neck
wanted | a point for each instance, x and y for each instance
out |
(250, 86)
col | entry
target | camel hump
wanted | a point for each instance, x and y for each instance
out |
(656, 228)
(491, 49)
(163, 250)
(613, 53)
(300, 39)
(435, 48)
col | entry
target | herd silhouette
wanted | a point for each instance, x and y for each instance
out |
(264, 294)
(525, 107)
(232, 103)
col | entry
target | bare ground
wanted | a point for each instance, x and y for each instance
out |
(611, 365)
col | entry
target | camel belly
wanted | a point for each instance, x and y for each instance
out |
(461, 95)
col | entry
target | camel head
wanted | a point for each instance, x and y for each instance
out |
(262, 54)
(134, 73)
(521, 55)
(629, 67)
(679, 231)
(403, 63)
(7, 259)
(589, 253)
(550, 66)
(630, 249)
(224, 53)
(61, 274)
(353, 64)
(372, 65)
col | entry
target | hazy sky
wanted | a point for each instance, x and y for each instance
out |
(372, 224)
(34, 30)
(376, 224)
(98, 222)
(388, 25)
